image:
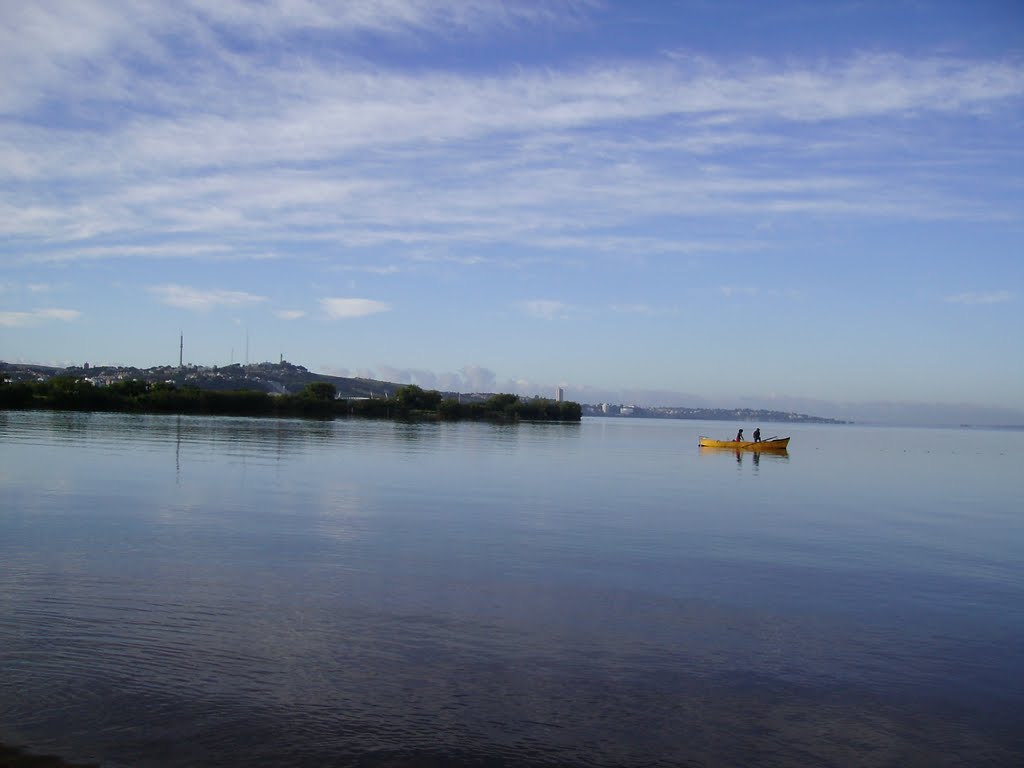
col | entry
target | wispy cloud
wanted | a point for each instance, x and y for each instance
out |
(641, 309)
(29, 288)
(980, 297)
(49, 37)
(340, 309)
(384, 269)
(730, 291)
(546, 309)
(632, 309)
(290, 314)
(36, 316)
(199, 251)
(392, 18)
(198, 300)
(228, 151)
(477, 378)
(469, 378)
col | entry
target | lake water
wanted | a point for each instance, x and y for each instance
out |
(179, 591)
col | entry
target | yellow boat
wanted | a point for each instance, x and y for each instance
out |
(772, 444)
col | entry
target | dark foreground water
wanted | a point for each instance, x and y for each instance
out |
(180, 591)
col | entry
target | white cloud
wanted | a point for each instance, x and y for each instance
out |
(642, 309)
(35, 316)
(30, 288)
(980, 297)
(338, 309)
(632, 309)
(195, 250)
(739, 290)
(344, 111)
(317, 149)
(47, 35)
(226, 155)
(199, 300)
(290, 314)
(545, 309)
(450, 382)
(397, 375)
(418, 376)
(386, 17)
(469, 378)
(387, 269)
(476, 378)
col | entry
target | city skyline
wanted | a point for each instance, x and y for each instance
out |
(809, 207)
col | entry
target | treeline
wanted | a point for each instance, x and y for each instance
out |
(317, 400)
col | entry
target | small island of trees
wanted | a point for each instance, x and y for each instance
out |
(317, 400)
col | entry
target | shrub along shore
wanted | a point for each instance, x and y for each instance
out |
(317, 400)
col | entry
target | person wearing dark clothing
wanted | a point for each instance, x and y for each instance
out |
(739, 436)
(757, 435)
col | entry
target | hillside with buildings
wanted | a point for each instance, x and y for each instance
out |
(282, 378)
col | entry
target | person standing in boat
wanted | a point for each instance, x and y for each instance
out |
(739, 436)
(757, 435)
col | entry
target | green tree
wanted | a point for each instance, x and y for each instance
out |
(501, 402)
(130, 388)
(15, 395)
(320, 390)
(414, 398)
(450, 409)
(570, 411)
(72, 393)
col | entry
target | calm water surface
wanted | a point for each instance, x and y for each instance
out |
(180, 591)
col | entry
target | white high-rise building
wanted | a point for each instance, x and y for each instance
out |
(559, 394)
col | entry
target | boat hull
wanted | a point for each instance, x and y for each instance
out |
(779, 444)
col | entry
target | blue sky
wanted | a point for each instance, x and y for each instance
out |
(806, 205)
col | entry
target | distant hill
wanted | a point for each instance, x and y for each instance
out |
(274, 378)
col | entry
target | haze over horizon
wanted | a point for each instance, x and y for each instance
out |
(798, 206)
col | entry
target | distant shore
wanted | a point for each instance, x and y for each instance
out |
(288, 379)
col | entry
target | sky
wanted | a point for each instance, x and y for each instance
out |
(793, 205)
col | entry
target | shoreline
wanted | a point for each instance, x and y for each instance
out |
(317, 401)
